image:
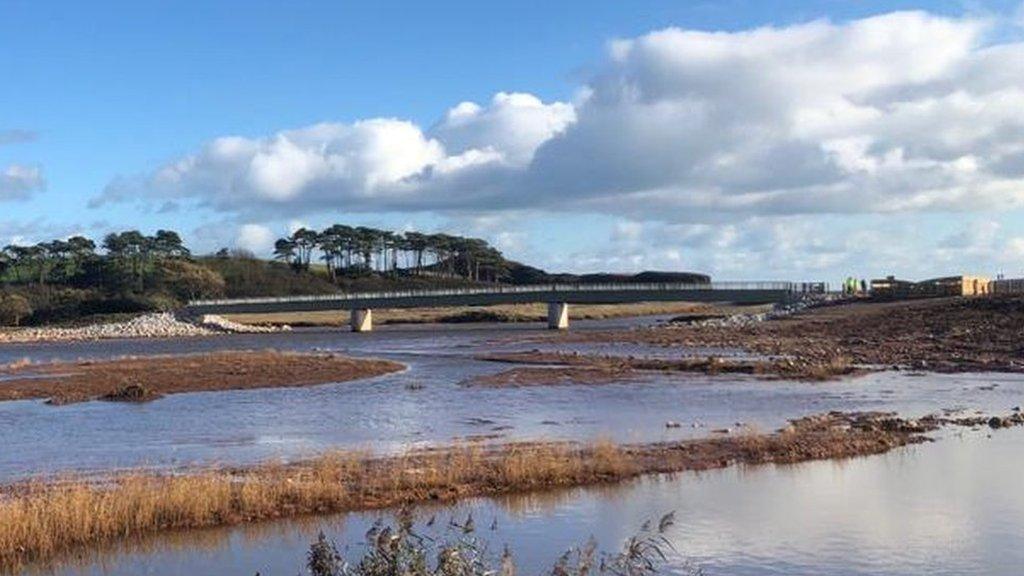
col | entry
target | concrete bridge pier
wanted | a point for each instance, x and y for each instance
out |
(558, 315)
(362, 320)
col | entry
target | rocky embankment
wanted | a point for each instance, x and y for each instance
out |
(163, 325)
(780, 310)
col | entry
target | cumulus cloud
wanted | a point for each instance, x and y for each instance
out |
(512, 126)
(336, 161)
(904, 111)
(901, 112)
(18, 182)
(364, 165)
(810, 249)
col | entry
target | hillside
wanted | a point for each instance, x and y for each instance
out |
(62, 281)
(523, 274)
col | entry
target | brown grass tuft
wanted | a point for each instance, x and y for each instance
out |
(41, 520)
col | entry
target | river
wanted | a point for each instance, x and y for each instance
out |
(952, 507)
(949, 507)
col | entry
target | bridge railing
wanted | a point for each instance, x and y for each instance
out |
(524, 289)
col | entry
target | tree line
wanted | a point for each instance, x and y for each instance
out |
(127, 272)
(62, 261)
(359, 249)
(351, 250)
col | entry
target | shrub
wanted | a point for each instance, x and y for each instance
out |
(115, 304)
(249, 277)
(187, 280)
(13, 309)
(323, 558)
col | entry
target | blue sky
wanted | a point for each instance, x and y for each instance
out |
(112, 92)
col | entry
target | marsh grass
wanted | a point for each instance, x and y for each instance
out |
(403, 548)
(42, 520)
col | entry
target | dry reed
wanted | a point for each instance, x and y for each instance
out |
(40, 520)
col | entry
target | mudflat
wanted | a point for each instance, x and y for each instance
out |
(571, 368)
(139, 379)
(980, 334)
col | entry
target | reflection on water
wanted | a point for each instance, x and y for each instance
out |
(951, 507)
(426, 404)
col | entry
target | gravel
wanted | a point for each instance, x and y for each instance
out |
(162, 325)
(778, 311)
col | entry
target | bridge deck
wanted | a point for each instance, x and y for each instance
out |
(740, 292)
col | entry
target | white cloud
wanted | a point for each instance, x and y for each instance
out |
(23, 232)
(255, 238)
(18, 182)
(1015, 249)
(510, 241)
(812, 249)
(294, 225)
(505, 230)
(902, 112)
(514, 125)
(627, 231)
(874, 115)
(340, 160)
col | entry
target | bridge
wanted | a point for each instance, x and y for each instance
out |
(558, 297)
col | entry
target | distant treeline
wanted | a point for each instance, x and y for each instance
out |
(76, 259)
(344, 249)
(129, 272)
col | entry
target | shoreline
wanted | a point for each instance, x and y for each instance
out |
(45, 519)
(942, 335)
(167, 325)
(141, 379)
(41, 521)
(536, 368)
(499, 314)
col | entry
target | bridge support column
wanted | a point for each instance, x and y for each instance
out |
(558, 316)
(362, 320)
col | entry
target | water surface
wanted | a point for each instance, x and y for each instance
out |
(950, 508)
(427, 404)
